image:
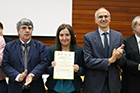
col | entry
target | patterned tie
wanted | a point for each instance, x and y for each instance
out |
(106, 48)
(25, 65)
(25, 56)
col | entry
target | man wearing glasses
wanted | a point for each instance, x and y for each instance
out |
(102, 52)
(24, 61)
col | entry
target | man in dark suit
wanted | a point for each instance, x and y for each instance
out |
(24, 61)
(3, 84)
(102, 73)
(131, 70)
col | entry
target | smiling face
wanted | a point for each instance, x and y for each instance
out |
(65, 37)
(103, 19)
(25, 32)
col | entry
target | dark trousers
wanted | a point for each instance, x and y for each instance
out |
(53, 91)
(26, 91)
(3, 86)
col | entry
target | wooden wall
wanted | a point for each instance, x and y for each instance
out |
(122, 14)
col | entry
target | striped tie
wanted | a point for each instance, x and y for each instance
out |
(25, 56)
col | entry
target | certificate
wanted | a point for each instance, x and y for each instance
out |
(64, 65)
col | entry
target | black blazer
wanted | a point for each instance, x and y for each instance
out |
(50, 83)
(131, 75)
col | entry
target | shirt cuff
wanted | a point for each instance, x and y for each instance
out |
(139, 67)
(108, 64)
(17, 78)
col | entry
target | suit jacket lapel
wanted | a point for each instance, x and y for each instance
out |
(19, 51)
(99, 42)
(111, 39)
(134, 47)
(31, 50)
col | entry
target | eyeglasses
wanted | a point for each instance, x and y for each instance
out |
(105, 16)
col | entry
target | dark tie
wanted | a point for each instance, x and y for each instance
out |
(25, 56)
(106, 48)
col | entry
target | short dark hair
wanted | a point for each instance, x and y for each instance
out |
(73, 40)
(1, 25)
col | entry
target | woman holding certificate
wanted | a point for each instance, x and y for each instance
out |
(66, 63)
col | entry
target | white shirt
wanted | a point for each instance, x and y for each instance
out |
(138, 42)
(24, 42)
(102, 36)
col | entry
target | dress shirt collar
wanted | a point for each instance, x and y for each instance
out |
(101, 31)
(138, 42)
(24, 42)
(137, 38)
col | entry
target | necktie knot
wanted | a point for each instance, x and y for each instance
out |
(25, 46)
(105, 34)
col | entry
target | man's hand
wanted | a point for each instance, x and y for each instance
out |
(119, 51)
(22, 76)
(116, 54)
(29, 79)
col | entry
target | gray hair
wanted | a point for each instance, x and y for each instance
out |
(134, 22)
(99, 9)
(24, 21)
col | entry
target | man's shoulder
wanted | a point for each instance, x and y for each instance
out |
(7, 39)
(37, 42)
(116, 32)
(129, 38)
(91, 33)
(12, 42)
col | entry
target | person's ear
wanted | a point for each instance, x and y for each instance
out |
(18, 32)
(95, 20)
(134, 27)
(109, 19)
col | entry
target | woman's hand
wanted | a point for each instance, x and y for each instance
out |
(76, 68)
(53, 64)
